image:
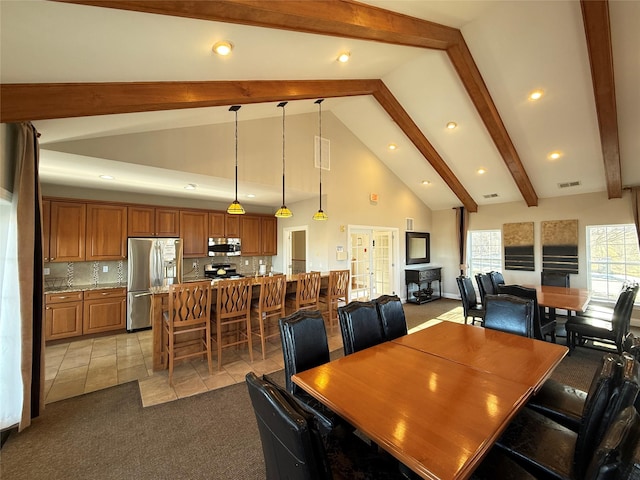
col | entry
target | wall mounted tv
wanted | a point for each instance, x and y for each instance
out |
(418, 247)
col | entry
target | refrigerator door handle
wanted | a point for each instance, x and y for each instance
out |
(142, 294)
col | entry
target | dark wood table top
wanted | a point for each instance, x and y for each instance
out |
(574, 299)
(435, 414)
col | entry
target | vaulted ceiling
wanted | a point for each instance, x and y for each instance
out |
(85, 71)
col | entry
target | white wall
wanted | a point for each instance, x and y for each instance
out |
(588, 209)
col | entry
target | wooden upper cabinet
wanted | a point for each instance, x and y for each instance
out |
(232, 226)
(269, 234)
(250, 235)
(46, 229)
(194, 231)
(153, 222)
(217, 224)
(67, 231)
(106, 232)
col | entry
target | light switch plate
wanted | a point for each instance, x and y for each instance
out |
(47, 271)
(105, 268)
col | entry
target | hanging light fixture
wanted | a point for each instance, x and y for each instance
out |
(320, 215)
(283, 211)
(235, 208)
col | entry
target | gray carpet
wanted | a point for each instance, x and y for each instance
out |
(108, 435)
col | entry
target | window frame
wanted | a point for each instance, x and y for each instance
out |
(494, 263)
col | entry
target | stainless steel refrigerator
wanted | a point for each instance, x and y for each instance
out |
(152, 262)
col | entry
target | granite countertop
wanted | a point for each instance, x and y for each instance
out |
(82, 288)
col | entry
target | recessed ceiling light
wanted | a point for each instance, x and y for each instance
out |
(392, 146)
(251, 195)
(555, 155)
(451, 125)
(426, 182)
(190, 186)
(344, 57)
(222, 47)
(481, 171)
(536, 95)
(107, 177)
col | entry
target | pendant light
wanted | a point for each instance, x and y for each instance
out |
(320, 215)
(235, 208)
(283, 211)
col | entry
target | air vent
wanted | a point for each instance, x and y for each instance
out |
(490, 195)
(569, 184)
(409, 224)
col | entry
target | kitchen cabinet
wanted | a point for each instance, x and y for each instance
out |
(63, 315)
(250, 235)
(106, 232)
(269, 235)
(46, 229)
(104, 310)
(194, 231)
(217, 222)
(152, 221)
(232, 225)
(67, 223)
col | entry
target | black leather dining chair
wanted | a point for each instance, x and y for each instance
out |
(293, 448)
(497, 279)
(631, 345)
(580, 328)
(542, 326)
(566, 404)
(549, 450)
(510, 314)
(470, 306)
(360, 326)
(554, 279)
(485, 286)
(304, 346)
(391, 313)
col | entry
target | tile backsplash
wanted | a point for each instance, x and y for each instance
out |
(92, 273)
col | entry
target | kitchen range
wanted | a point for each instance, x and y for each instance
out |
(221, 270)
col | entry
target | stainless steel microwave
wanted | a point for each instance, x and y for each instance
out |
(224, 247)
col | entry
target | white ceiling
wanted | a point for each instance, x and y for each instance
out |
(518, 46)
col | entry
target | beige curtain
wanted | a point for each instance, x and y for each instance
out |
(30, 279)
(462, 225)
(635, 205)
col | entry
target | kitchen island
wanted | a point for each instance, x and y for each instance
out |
(160, 303)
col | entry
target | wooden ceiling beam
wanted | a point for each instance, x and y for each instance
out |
(350, 19)
(393, 108)
(40, 101)
(595, 14)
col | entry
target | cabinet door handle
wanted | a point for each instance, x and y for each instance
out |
(62, 298)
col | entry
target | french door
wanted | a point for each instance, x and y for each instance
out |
(372, 262)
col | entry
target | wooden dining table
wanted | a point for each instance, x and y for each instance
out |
(433, 403)
(571, 299)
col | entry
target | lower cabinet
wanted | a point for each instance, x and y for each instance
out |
(63, 315)
(104, 310)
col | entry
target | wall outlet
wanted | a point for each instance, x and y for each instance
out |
(47, 271)
(246, 262)
(105, 269)
(195, 264)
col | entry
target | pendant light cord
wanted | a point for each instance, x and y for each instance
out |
(236, 112)
(320, 148)
(283, 202)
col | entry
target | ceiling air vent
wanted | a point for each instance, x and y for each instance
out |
(569, 184)
(490, 195)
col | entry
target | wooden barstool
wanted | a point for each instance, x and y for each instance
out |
(269, 309)
(307, 292)
(233, 312)
(336, 294)
(188, 315)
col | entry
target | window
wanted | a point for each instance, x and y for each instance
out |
(484, 251)
(613, 258)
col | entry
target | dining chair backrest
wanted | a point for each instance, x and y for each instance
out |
(189, 303)
(621, 318)
(337, 293)
(308, 290)
(291, 445)
(270, 307)
(360, 326)
(391, 313)
(609, 400)
(304, 343)
(510, 314)
(485, 286)
(618, 455)
(233, 315)
(531, 294)
(554, 279)
(497, 279)
(467, 293)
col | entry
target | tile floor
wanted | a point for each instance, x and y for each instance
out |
(84, 366)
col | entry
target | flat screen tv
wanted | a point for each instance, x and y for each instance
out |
(418, 247)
